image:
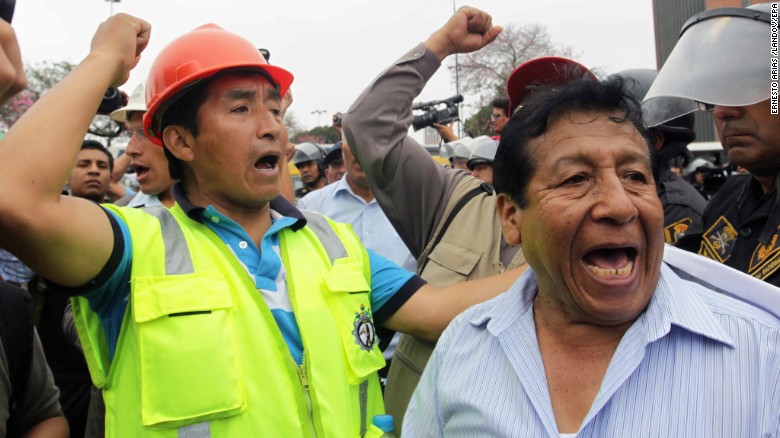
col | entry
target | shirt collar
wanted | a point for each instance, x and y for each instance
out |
(342, 185)
(278, 204)
(141, 199)
(673, 303)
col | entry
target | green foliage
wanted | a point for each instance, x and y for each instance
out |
(479, 123)
(320, 134)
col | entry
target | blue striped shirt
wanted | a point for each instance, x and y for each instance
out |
(696, 363)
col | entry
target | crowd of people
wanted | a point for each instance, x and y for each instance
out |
(557, 279)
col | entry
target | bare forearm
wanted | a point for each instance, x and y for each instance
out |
(39, 152)
(431, 309)
(35, 162)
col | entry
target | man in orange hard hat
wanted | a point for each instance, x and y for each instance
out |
(232, 312)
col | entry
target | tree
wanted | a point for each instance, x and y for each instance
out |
(40, 78)
(292, 124)
(484, 73)
(319, 134)
(479, 123)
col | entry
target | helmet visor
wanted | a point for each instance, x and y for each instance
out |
(723, 60)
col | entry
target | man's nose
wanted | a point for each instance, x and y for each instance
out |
(133, 147)
(613, 202)
(723, 113)
(268, 125)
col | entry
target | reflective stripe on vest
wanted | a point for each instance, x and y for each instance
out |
(179, 261)
(177, 254)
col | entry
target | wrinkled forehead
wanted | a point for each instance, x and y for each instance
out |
(589, 134)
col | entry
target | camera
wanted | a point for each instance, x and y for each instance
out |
(337, 119)
(112, 101)
(433, 115)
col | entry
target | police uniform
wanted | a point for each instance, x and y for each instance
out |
(683, 205)
(741, 228)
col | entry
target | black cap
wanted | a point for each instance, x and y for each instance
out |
(334, 153)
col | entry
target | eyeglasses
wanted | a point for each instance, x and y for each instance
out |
(706, 107)
(496, 116)
(127, 135)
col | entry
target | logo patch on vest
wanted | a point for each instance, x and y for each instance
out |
(718, 241)
(676, 231)
(766, 258)
(365, 334)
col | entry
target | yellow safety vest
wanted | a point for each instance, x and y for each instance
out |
(199, 353)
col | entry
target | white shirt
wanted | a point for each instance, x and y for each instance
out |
(696, 363)
(339, 202)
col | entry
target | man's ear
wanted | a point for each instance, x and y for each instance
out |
(179, 141)
(658, 140)
(511, 217)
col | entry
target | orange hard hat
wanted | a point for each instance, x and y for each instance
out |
(195, 56)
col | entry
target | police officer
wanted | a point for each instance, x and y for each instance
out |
(481, 161)
(683, 204)
(309, 158)
(720, 64)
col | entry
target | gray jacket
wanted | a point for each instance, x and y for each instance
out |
(418, 195)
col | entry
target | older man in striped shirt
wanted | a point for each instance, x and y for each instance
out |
(601, 337)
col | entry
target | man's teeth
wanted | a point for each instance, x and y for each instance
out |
(611, 273)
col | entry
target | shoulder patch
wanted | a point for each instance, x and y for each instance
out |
(674, 232)
(719, 240)
(766, 258)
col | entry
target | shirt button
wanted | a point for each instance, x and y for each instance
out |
(416, 54)
(745, 232)
(242, 244)
(215, 219)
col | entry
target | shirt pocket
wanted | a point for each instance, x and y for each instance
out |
(187, 350)
(349, 299)
(451, 263)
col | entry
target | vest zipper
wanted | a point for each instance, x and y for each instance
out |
(301, 369)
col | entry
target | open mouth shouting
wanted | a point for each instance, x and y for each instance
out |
(140, 171)
(268, 162)
(611, 263)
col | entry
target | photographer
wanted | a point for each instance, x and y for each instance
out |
(498, 119)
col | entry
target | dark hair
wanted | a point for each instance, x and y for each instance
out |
(96, 145)
(514, 164)
(183, 112)
(184, 108)
(501, 102)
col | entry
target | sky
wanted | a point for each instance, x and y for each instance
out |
(335, 48)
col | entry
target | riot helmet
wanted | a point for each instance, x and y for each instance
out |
(483, 153)
(722, 58)
(309, 152)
